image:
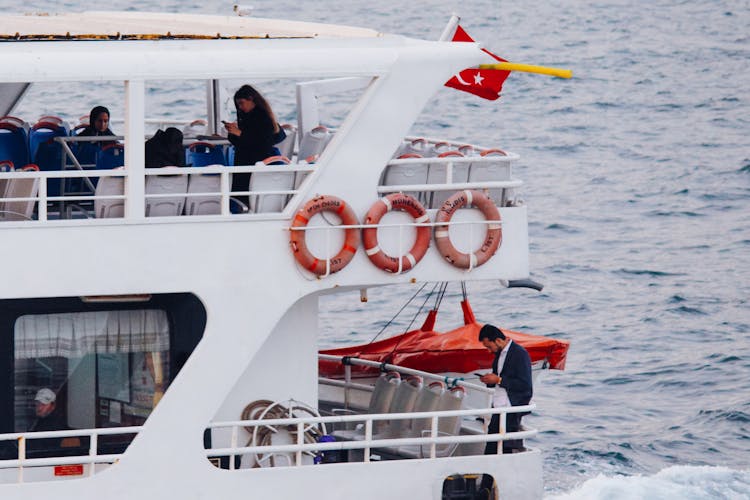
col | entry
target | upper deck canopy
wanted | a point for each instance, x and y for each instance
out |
(150, 26)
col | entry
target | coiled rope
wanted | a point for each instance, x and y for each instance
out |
(263, 435)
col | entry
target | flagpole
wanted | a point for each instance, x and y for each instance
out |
(450, 29)
(529, 68)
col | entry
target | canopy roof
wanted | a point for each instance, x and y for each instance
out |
(456, 351)
(150, 26)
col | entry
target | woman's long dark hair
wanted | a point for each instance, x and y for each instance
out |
(95, 114)
(249, 93)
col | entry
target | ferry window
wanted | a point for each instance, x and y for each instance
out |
(89, 369)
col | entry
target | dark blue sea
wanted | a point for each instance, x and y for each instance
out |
(637, 179)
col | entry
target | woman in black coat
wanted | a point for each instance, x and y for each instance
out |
(253, 135)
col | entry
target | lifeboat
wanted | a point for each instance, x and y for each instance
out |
(455, 351)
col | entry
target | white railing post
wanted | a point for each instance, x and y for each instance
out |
(233, 444)
(347, 380)
(328, 252)
(42, 199)
(502, 418)
(225, 193)
(368, 438)
(471, 242)
(400, 248)
(300, 442)
(433, 435)
(135, 150)
(93, 445)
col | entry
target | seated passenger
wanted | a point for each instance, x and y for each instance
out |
(165, 149)
(98, 125)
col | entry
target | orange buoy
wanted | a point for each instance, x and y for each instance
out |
(491, 241)
(405, 203)
(324, 267)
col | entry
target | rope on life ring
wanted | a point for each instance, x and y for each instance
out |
(405, 203)
(491, 241)
(324, 267)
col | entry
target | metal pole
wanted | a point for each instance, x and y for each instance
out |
(135, 149)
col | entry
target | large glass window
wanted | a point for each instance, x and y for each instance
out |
(89, 369)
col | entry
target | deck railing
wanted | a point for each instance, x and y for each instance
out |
(72, 168)
(369, 440)
(93, 457)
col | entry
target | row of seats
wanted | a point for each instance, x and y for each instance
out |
(172, 182)
(392, 394)
(23, 144)
(491, 165)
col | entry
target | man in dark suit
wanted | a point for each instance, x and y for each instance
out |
(511, 377)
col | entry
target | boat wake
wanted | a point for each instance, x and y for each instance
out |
(678, 482)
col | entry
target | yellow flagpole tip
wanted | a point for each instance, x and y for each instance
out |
(529, 68)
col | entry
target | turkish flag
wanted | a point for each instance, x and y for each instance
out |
(486, 83)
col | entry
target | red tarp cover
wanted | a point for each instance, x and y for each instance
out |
(457, 351)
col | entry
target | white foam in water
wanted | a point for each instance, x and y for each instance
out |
(673, 483)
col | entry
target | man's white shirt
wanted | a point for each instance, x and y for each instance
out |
(500, 398)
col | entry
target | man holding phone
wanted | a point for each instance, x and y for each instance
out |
(511, 377)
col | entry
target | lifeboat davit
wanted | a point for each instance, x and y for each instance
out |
(455, 351)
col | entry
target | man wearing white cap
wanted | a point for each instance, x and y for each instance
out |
(46, 418)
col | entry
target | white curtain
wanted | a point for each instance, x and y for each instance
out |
(73, 335)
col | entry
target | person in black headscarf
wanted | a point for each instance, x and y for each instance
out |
(98, 123)
(253, 135)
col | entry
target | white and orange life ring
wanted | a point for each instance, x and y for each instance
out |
(491, 241)
(324, 267)
(405, 203)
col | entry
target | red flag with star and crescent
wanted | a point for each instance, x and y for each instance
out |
(486, 83)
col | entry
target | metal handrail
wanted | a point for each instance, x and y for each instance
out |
(369, 440)
(408, 371)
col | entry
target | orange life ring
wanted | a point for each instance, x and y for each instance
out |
(324, 267)
(406, 203)
(491, 241)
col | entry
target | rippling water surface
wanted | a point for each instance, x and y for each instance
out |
(637, 177)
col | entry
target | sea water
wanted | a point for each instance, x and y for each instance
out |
(637, 180)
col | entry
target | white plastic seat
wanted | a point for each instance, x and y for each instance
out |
(109, 208)
(450, 400)
(206, 204)
(270, 181)
(402, 402)
(286, 147)
(380, 402)
(437, 175)
(170, 183)
(19, 188)
(428, 399)
(498, 169)
(412, 173)
(313, 142)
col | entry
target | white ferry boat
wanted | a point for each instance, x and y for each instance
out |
(175, 335)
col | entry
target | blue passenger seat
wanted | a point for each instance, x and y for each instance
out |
(110, 156)
(13, 141)
(201, 154)
(45, 151)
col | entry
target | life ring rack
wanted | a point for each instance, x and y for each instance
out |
(305, 258)
(492, 240)
(405, 203)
